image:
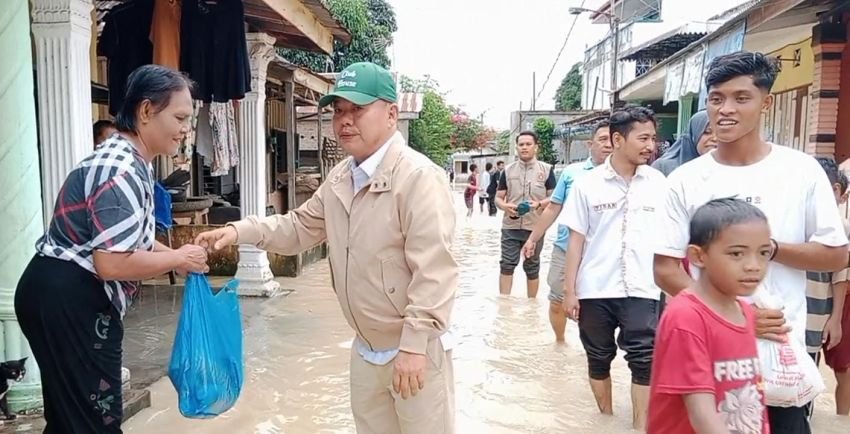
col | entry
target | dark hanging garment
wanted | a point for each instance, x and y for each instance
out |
(214, 51)
(125, 42)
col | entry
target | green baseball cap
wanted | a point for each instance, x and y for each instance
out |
(362, 83)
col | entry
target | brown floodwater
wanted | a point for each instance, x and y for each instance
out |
(510, 376)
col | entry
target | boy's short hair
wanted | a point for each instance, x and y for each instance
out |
(531, 134)
(472, 167)
(488, 167)
(622, 120)
(833, 173)
(718, 214)
(763, 69)
(100, 126)
(600, 125)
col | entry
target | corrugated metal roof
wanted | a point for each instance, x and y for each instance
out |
(663, 46)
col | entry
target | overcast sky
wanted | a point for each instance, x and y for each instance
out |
(483, 52)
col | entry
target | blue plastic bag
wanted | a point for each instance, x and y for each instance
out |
(206, 361)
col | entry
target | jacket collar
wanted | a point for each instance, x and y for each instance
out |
(343, 186)
(382, 178)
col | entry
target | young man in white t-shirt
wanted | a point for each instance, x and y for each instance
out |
(789, 186)
(611, 213)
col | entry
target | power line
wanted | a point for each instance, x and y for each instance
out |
(558, 57)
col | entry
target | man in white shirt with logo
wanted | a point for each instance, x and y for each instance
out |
(789, 186)
(608, 284)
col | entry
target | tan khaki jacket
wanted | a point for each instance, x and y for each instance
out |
(391, 262)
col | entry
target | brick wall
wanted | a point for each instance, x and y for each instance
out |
(828, 43)
(842, 132)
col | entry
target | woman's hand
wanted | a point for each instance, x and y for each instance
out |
(191, 258)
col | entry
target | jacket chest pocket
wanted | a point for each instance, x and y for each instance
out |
(395, 278)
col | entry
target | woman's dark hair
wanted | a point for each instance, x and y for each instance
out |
(531, 134)
(622, 121)
(718, 214)
(763, 69)
(488, 167)
(835, 175)
(149, 82)
(472, 167)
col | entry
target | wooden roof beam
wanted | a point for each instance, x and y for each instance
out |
(305, 21)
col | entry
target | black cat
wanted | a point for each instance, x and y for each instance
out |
(11, 370)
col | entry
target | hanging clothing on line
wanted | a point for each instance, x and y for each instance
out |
(165, 33)
(125, 42)
(187, 147)
(204, 136)
(216, 139)
(225, 144)
(214, 51)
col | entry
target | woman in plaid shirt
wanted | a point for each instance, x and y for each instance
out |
(72, 297)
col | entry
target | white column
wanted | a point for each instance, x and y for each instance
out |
(253, 272)
(20, 199)
(62, 33)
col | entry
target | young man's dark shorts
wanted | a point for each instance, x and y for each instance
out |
(512, 242)
(791, 420)
(637, 320)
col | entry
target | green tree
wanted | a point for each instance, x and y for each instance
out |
(431, 134)
(371, 24)
(469, 134)
(408, 84)
(503, 141)
(545, 129)
(568, 95)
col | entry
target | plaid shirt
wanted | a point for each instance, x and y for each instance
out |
(105, 204)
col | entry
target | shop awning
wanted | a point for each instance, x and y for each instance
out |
(301, 24)
(755, 15)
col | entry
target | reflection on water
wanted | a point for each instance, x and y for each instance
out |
(511, 377)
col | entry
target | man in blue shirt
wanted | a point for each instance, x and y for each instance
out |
(600, 148)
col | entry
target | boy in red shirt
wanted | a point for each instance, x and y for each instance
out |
(706, 376)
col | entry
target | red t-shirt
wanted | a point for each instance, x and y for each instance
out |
(698, 351)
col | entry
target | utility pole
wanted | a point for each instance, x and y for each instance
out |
(615, 51)
(533, 91)
(615, 44)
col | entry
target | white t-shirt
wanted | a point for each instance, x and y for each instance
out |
(792, 190)
(484, 184)
(619, 222)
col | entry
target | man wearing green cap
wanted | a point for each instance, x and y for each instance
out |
(387, 215)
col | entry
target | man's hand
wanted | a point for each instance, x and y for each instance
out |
(510, 210)
(832, 332)
(409, 373)
(770, 325)
(217, 239)
(529, 249)
(571, 305)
